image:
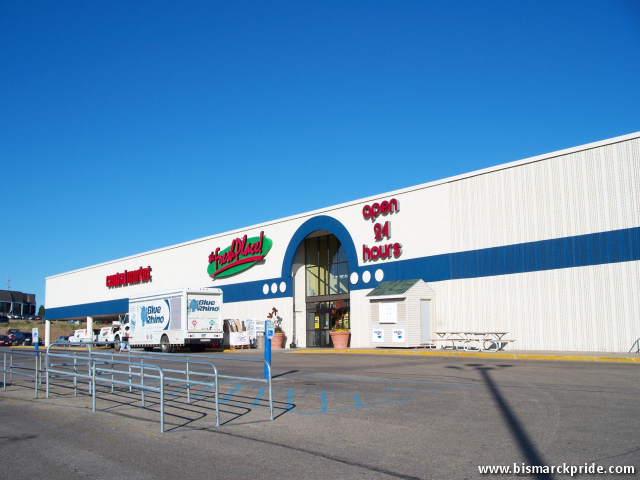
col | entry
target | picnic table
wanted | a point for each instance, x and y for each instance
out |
(474, 340)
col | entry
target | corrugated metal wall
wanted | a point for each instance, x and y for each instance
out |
(592, 308)
(586, 192)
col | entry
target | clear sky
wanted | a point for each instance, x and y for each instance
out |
(130, 126)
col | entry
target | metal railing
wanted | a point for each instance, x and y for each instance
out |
(15, 369)
(188, 372)
(190, 358)
(135, 370)
(93, 366)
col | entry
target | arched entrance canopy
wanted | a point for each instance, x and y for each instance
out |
(321, 222)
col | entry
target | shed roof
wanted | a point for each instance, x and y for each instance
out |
(392, 288)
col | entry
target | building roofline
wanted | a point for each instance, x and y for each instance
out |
(326, 210)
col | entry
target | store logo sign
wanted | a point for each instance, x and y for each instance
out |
(131, 276)
(203, 306)
(151, 314)
(240, 255)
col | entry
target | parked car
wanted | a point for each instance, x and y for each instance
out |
(62, 339)
(21, 338)
(4, 319)
(5, 340)
(11, 333)
(73, 322)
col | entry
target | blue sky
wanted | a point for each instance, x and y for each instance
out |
(130, 126)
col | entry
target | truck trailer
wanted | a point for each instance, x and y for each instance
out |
(189, 317)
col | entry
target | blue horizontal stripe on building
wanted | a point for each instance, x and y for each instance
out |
(577, 251)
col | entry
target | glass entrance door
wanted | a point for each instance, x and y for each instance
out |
(321, 319)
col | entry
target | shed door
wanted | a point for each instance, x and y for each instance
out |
(425, 321)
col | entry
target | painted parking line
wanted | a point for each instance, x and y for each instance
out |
(258, 396)
(230, 394)
(197, 394)
(323, 402)
(290, 402)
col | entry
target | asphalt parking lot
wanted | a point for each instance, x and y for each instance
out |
(336, 416)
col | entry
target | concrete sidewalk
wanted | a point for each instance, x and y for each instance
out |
(618, 357)
(510, 354)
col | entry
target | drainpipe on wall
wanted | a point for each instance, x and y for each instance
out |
(293, 341)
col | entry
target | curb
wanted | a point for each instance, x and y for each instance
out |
(513, 356)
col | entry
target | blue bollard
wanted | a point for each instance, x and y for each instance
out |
(267, 353)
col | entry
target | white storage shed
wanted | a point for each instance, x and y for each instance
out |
(401, 313)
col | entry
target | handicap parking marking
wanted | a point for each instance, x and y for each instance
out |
(304, 401)
(331, 402)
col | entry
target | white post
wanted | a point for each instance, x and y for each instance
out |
(47, 333)
(89, 336)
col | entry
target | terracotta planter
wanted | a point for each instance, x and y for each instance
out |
(278, 341)
(340, 339)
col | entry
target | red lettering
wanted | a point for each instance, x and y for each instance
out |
(375, 254)
(373, 211)
(243, 246)
(366, 253)
(397, 249)
(128, 276)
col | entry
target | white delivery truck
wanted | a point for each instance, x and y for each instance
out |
(83, 335)
(108, 334)
(190, 317)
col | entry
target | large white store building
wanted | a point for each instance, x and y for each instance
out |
(547, 249)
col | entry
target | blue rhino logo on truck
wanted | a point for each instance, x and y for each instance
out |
(143, 315)
(193, 305)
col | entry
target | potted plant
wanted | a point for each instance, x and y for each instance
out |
(340, 332)
(279, 338)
